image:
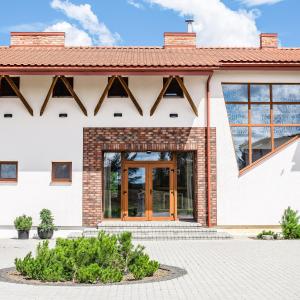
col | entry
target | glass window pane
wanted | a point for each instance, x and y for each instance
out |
(240, 141)
(151, 156)
(260, 114)
(286, 114)
(237, 113)
(185, 185)
(136, 192)
(8, 171)
(112, 185)
(283, 134)
(161, 192)
(62, 171)
(286, 92)
(235, 92)
(261, 142)
(260, 93)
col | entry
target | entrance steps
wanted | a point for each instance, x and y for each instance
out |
(178, 230)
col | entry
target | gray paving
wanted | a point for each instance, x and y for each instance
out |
(217, 269)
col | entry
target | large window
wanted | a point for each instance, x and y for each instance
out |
(262, 117)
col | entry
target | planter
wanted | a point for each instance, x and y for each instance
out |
(45, 235)
(23, 234)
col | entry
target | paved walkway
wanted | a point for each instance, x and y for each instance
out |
(234, 269)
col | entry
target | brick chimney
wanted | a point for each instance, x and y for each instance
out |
(37, 39)
(268, 40)
(180, 40)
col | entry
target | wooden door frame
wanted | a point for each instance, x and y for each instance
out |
(148, 165)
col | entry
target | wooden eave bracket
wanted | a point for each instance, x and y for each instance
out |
(17, 92)
(184, 90)
(126, 88)
(69, 88)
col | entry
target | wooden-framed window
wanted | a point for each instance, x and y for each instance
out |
(9, 171)
(60, 90)
(117, 89)
(174, 90)
(263, 117)
(61, 171)
(5, 88)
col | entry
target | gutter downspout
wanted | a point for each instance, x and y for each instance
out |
(208, 150)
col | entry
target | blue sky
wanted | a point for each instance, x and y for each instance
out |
(142, 22)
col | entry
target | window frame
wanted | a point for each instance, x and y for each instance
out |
(15, 179)
(61, 180)
(271, 125)
(181, 96)
(17, 82)
(70, 79)
(126, 79)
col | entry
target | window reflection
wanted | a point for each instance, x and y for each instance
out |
(260, 114)
(237, 113)
(240, 141)
(185, 185)
(283, 134)
(286, 92)
(260, 93)
(235, 92)
(286, 114)
(112, 185)
(148, 156)
(261, 142)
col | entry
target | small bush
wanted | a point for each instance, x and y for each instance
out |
(47, 220)
(23, 222)
(264, 232)
(106, 258)
(290, 224)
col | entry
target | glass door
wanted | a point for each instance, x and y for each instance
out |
(135, 193)
(161, 192)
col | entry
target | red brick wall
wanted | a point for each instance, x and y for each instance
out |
(32, 39)
(180, 40)
(98, 140)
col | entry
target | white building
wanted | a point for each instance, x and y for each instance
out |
(121, 132)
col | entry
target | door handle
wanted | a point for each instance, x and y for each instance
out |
(125, 192)
(150, 191)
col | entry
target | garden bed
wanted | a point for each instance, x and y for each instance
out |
(164, 273)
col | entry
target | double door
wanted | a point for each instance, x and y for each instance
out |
(148, 191)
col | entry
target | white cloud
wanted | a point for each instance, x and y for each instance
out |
(83, 14)
(259, 2)
(215, 23)
(74, 36)
(135, 4)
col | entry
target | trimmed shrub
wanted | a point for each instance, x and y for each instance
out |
(290, 224)
(23, 222)
(47, 220)
(106, 259)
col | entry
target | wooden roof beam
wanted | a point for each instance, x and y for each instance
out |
(161, 94)
(187, 95)
(18, 93)
(128, 91)
(48, 95)
(74, 95)
(104, 94)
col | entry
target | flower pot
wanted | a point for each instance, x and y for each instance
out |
(45, 234)
(23, 234)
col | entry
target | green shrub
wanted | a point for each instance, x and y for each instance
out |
(264, 232)
(47, 220)
(106, 258)
(290, 224)
(142, 266)
(23, 222)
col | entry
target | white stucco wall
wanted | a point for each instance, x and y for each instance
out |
(259, 196)
(37, 141)
(255, 198)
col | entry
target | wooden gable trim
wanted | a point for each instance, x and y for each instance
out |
(74, 95)
(18, 93)
(69, 88)
(104, 94)
(126, 88)
(187, 95)
(161, 94)
(48, 95)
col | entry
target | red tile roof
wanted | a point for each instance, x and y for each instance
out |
(112, 58)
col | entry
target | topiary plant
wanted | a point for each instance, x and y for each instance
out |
(23, 223)
(46, 227)
(290, 224)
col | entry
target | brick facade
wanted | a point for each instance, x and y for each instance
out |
(98, 140)
(33, 39)
(269, 40)
(180, 40)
